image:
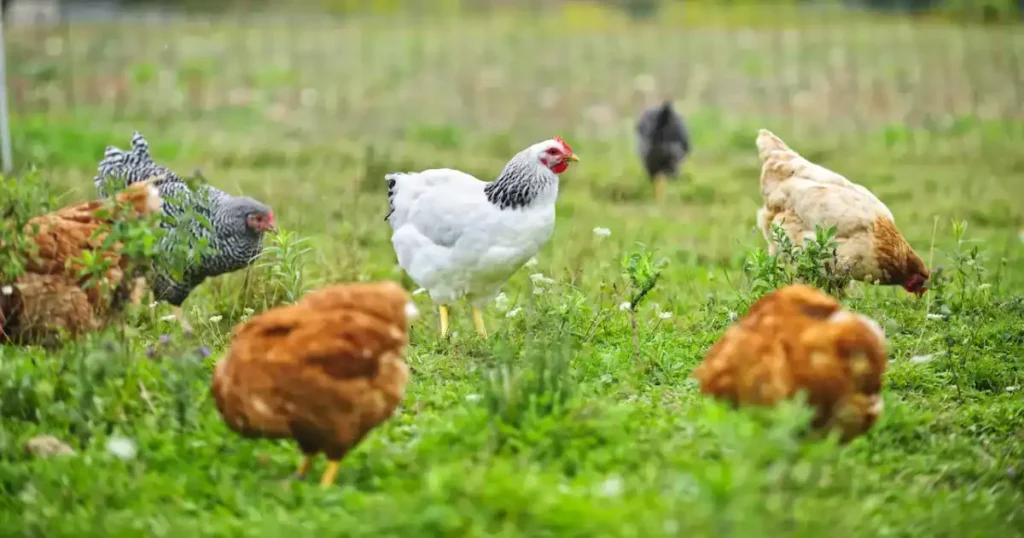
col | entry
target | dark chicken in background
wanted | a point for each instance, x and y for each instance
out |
(662, 143)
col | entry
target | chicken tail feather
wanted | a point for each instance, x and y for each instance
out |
(128, 167)
(768, 143)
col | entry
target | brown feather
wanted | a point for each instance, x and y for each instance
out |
(798, 338)
(323, 371)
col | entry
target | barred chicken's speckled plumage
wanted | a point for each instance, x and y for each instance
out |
(234, 243)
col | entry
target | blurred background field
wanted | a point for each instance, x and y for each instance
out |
(307, 104)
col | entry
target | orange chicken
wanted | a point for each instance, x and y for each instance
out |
(799, 195)
(323, 371)
(52, 297)
(798, 338)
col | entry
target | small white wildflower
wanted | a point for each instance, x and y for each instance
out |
(944, 309)
(1012, 389)
(514, 312)
(935, 316)
(539, 278)
(7, 290)
(501, 302)
(625, 306)
(153, 304)
(121, 448)
(984, 286)
(419, 291)
(169, 317)
(732, 316)
(921, 359)
(601, 233)
(248, 311)
(473, 398)
(532, 262)
(664, 315)
(216, 319)
(611, 487)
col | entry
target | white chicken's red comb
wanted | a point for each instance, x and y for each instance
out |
(565, 146)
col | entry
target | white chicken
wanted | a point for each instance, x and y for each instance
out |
(459, 237)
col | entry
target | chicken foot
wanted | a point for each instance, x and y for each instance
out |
(443, 312)
(660, 181)
(327, 480)
(304, 465)
(478, 321)
(186, 327)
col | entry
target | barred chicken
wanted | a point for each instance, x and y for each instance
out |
(324, 371)
(662, 143)
(459, 237)
(799, 195)
(55, 296)
(798, 338)
(237, 223)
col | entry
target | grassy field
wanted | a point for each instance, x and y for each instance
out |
(557, 425)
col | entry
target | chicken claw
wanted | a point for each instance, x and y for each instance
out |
(304, 465)
(186, 327)
(659, 187)
(443, 311)
(478, 321)
(332, 470)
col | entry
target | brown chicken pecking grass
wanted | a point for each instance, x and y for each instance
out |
(798, 338)
(324, 371)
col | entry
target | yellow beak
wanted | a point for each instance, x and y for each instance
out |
(572, 158)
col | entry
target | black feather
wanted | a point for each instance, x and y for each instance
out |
(662, 140)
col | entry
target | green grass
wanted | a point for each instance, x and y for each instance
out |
(608, 442)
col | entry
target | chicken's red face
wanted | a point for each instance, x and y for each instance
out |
(261, 222)
(916, 284)
(556, 155)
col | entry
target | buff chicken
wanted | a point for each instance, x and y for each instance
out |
(323, 371)
(798, 338)
(799, 195)
(54, 296)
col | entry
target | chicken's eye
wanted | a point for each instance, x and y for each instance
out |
(552, 151)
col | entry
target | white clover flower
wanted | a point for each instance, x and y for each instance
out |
(539, 278)
(419, 291)
(514, 312)
(169, 317)
(501, 302)
(153, 304)
(935, 316)
(625, 306)
(732, 316)
(1012, 389)
(532, 262)
(601, 233)
(122, 448)
(665, 315)
(921, 359)
(611, 487)
(216, 319)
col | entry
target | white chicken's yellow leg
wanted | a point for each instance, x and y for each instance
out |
(328, 479)
(307, 460)
(443, 312)
(660, 181)
(478, 321)
(185, 325)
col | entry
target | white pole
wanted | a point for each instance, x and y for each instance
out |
(5, 121)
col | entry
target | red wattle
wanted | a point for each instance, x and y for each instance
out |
(560, 167)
